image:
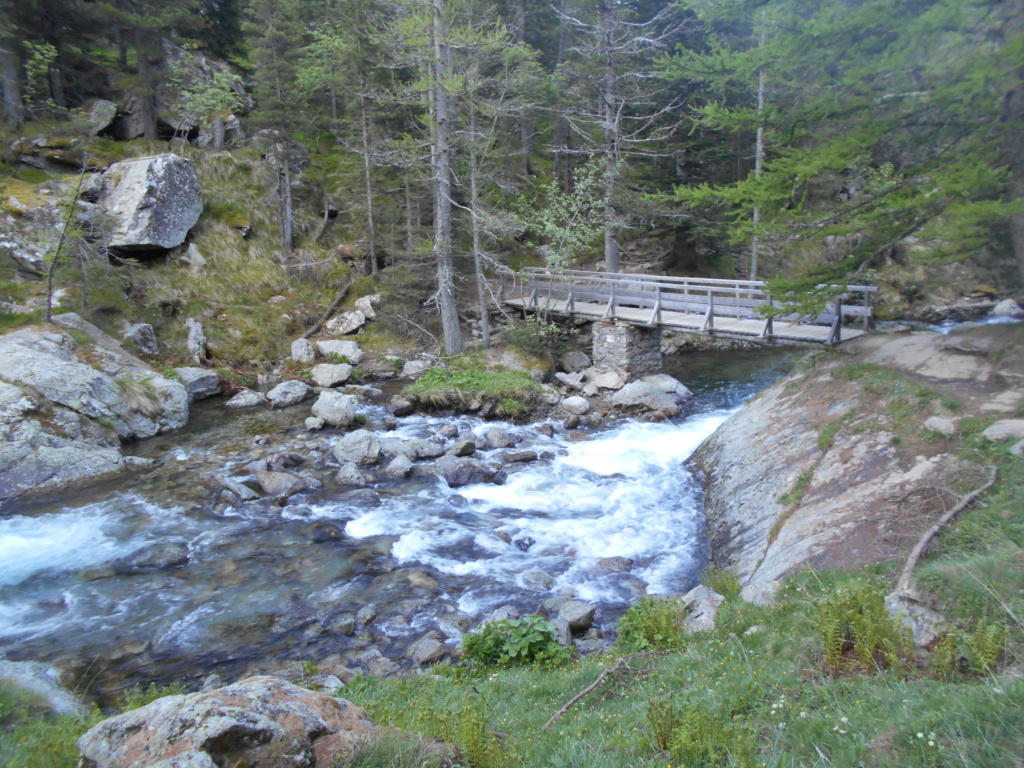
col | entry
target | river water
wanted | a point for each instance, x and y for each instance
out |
(265, 584)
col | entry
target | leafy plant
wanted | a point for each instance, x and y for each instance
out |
(652, 624)
(853, 618)
(536, 335)
(725, 583)
(706, 739)
(527, 640)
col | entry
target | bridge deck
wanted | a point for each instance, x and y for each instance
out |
(683, 321)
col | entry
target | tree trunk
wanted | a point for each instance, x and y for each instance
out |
(442, 174)
(611, 136)
(1013, 117)
(10, 82)
(525, 124)
(561, 137)
(410, 236)
(474, 204)
(758, 163)
(285, 201)
(147, 110)
(371, 227)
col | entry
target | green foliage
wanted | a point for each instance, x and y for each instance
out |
(137, 696)
(704, 739)
(853, 618)
(468, 378)
(829, 432)
(527, 640)
(335, 359)
(793, 496)
(652, 624)
(724, 582)
(11, 320)
(538, 336)
(392, 750)
(39, 59)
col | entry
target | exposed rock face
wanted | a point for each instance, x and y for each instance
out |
(779, 499)
(158, 556)
(153, 202)
(143, 337)
(44, 681)
(64, 403)
(196, 342)
(254, 722)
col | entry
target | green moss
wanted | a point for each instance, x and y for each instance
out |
(469, 379)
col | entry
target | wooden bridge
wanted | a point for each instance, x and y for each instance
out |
(730, 308)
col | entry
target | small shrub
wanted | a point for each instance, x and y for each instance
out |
(663, 718)
(537, 336)
(335, 359)
(526, 640)
(652, 624)
(853, 618)
(359, 419)
(984, 646)
(726, 583)
(137, 696)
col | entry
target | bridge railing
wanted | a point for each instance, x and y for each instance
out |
(709, 297)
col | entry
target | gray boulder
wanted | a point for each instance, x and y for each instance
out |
(398, 468)
(289, 393)
(350, 474)
(463, 448)
(152, 202)
(200, 383)
(366, 304)
(704, 604)
(253, 722)
(347, 349)
(242, 491)
(537, 580)
(196, 342)
(427, 650)
(576, 405)
(313, 424)
(360, 447)
(577, 614)
(1005, 429)
(246, 399)
(1008, 308)
(496, 437)
(945, 427)
(158, 556)
(328, 375)
(668, 385)
(643, 396)
(574, 361)
(280, 485)
(416, 449)
(345, 323)
(458, 472)
(43, 681)
(302, 351)
(335, 408)
(413, 368)
(606, 379)
(142, 336)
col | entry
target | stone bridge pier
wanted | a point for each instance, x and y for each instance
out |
(629, 349)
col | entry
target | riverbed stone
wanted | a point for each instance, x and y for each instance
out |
(577, 614)
(458, 472)
(328, 375)
(616, 564)
(1008, 308)
(313, 424)
(496, 437)
(576, 405)
(350, 474)
(246, 399)
(398, 468)
(643, 396)
(537, 580)
(668, 384)
(200, 383)
(289, 393)
(1005, 429)
(254, 721)
(344, 625)
(573, 361)
(360, 447)
(427, 650)
(158, 556)
(279, 484)
(463, 448)
(242, 491)
(302, 351)
(345, 349)
(336, 408)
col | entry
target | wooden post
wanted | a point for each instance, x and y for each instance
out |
(572, 296)
(656, 312)
(769, 326)
(867, 317)
(709, 317)
(610, 309)
(836, 334)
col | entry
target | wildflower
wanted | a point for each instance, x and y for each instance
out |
(920, 735)
(803, 714)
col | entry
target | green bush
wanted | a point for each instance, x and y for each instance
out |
(652, 624)
(537, 336)
(708, 740)
(852, 618)
(526, 640)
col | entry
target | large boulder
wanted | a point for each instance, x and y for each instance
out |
(643, 396)
(346, 322)
(200, 383)
(328, 375)
(302, 351)
(361, 447)
(335, 408)
(152, 202)
(254, 722)
(289, 393)
(348, 350)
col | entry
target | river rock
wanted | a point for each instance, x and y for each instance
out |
(416, 449)
(641, 395)
(704, 604)
(348, 350)
(152, 202)
(398, 468)
(327, 375)
(400, 406)
(570, 380)
(925, 624)
(302, 351)
(1008, 308)
(519, 457)
(246, 399)
(537, 580)
(349, 474)
(463, 448)
(574, 361)
(668, 385)
(606, 379)
(577, 614)
(289, 393)
(43, 681)
(241, 490)
(945, 427)
(458, 472)
(200, 383)
(336, 408)
(1005, 429)
(143, 337)
(615, 564)
(254, 722)
(427, 650)
(280, 485)
(360, 447)
(158, 556)
(496, 437)
(576, 405)
(346, 322)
